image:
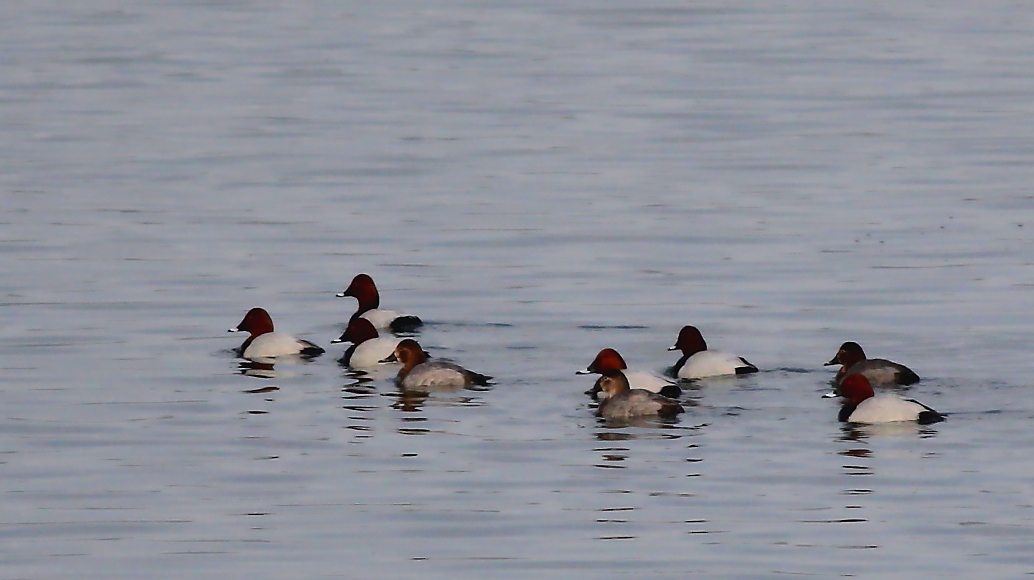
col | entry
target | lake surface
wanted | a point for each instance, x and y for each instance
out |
(536, 180)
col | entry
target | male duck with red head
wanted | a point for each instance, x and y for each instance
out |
(861, 405)
(368, 348)
(608, 360)
(365, 292)
(697, 362)
(264, 343)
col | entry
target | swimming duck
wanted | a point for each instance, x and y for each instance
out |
(608, 359)
(878, 371)
(365, 292)
(861, 405)
(368, 348)
(697, 362)
(419, 373)
(623, 402)
(264, 343)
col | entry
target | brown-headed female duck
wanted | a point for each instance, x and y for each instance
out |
(878, 371)
(623, 402)
(418, 373)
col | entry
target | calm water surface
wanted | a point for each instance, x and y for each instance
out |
(538, 181)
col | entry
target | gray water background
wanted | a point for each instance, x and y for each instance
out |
(537, 181)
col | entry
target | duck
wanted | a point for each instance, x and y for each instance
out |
(264, 343)
(364, 290)
(861, 405)
(609, 359)
(878, 371)
(418, 373)
(697, 362)
(368, 348)
(624, 402)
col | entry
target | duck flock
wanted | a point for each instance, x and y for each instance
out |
(622, 393)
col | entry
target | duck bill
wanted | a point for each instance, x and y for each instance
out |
(830, 395)
(583, 372)
(233, 330)
(832, 361)
(389, 359)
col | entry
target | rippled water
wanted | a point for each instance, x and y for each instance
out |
(537, 181)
